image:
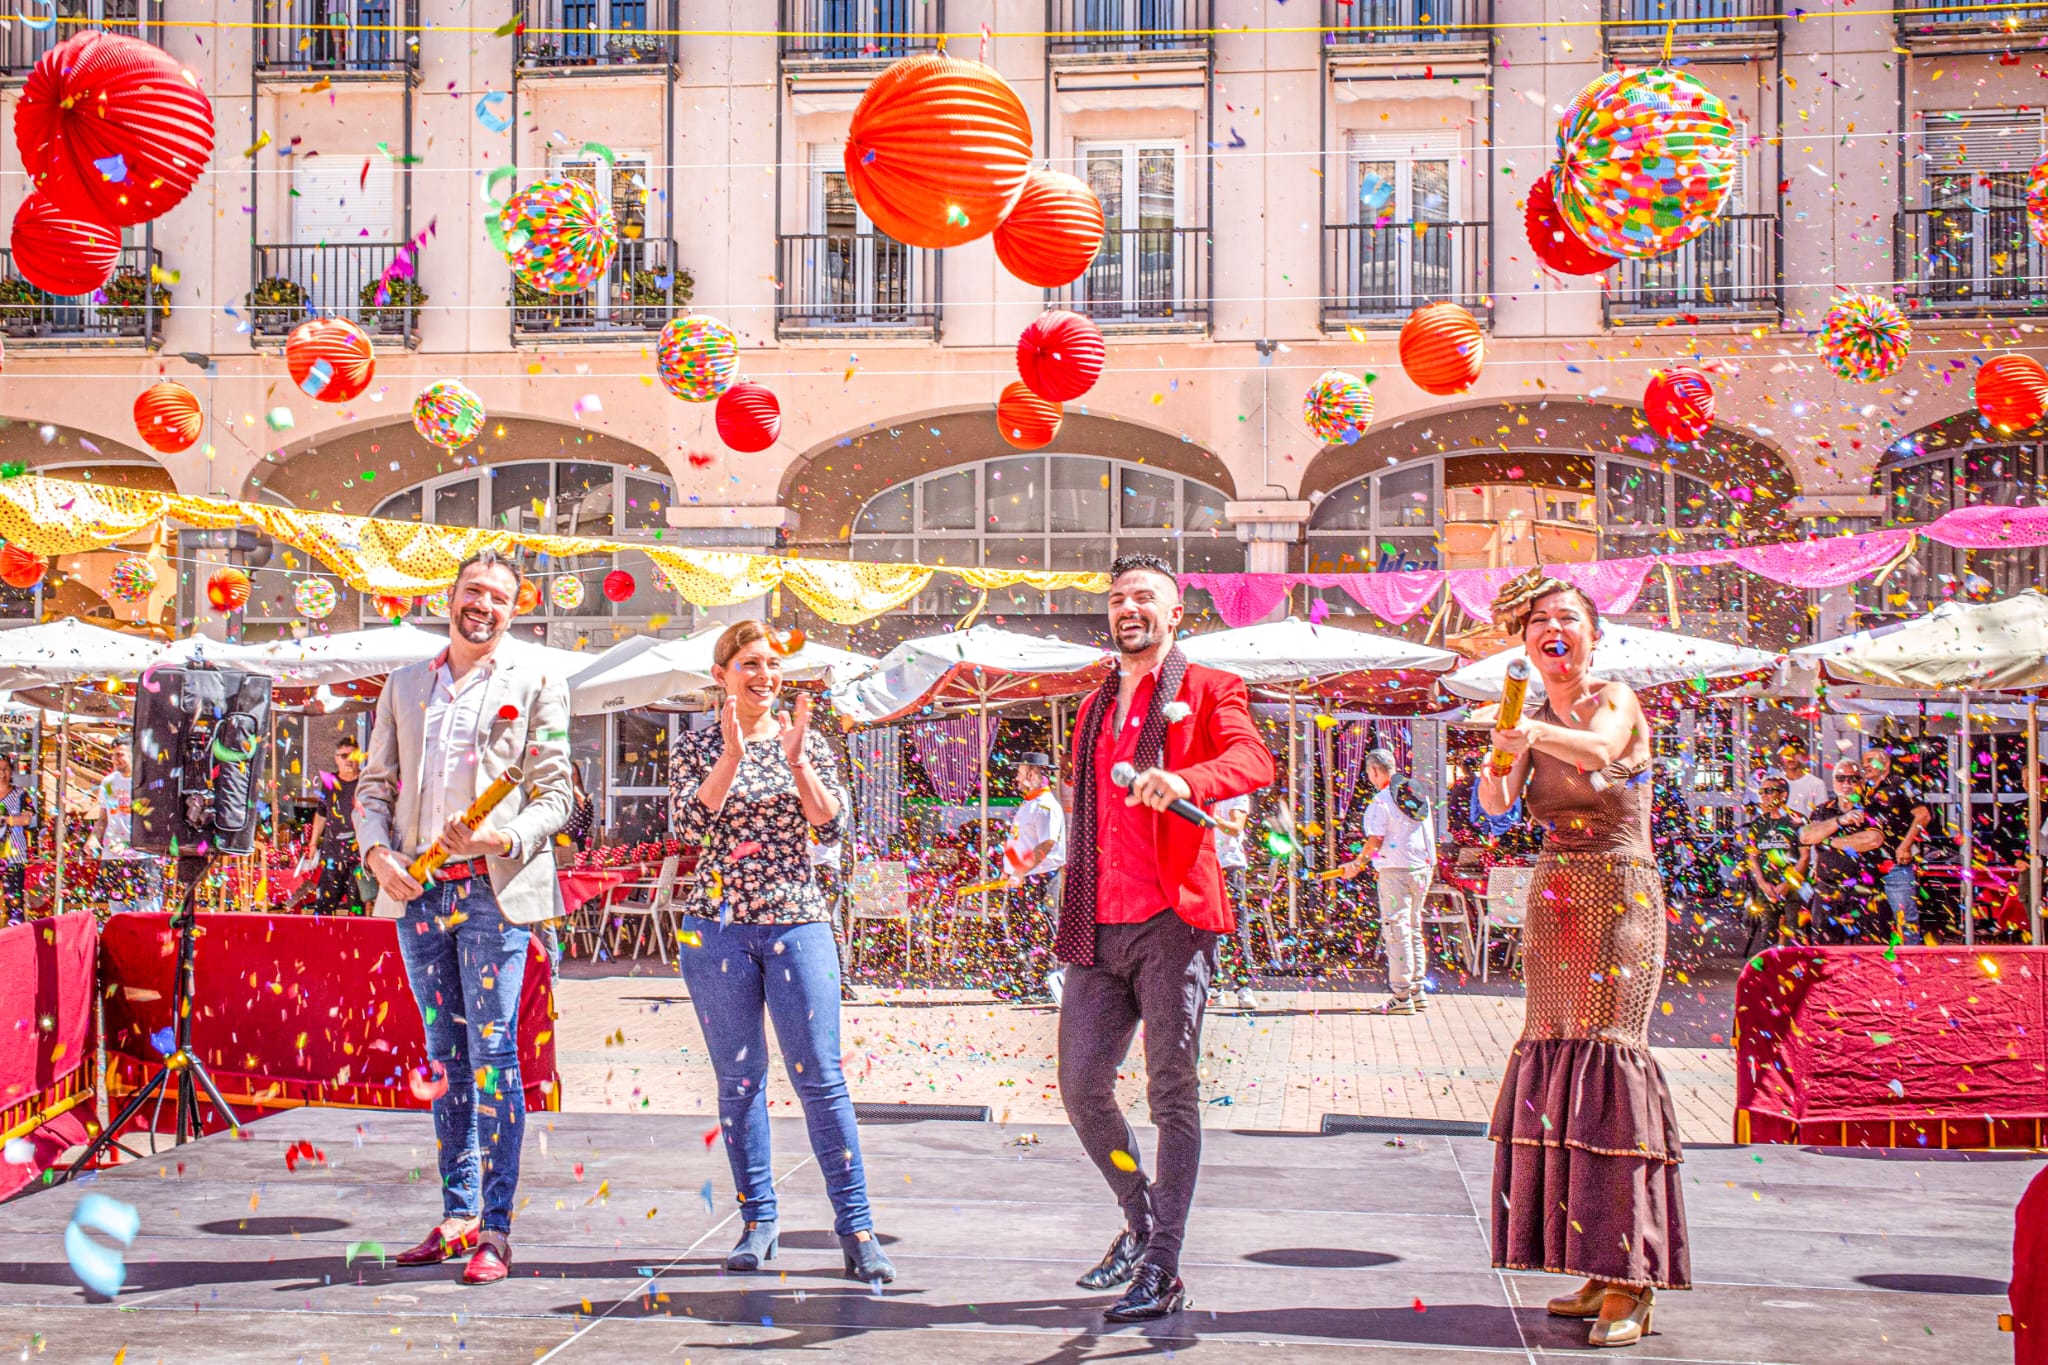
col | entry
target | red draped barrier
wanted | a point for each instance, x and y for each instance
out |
(46, 1050)
(1911, 1047)
(292, 1010)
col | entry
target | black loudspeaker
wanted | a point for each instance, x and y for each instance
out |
(198, 760)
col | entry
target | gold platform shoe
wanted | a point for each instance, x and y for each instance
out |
(1629, 1329)
(1583, 1304)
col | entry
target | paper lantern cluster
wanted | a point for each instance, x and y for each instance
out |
(748, 417)
(447, 414)
(1865, 338)
(168, 417)
(2012, 391)
(697, 358)
(1337, 407)
(330, 359)
(21, 568)
(1679, 403)
(1552, 239)
(1027, 421)
(131, 580)
(1442, 348)
(314, 598)
(560, 237)
(1060, 356)
(1646, 161)
(938, 150)
(227, 590)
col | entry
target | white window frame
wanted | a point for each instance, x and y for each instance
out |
(1132, 150)
(1404, 149)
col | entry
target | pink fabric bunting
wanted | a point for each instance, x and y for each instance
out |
(1991, 528)
(1242, 598)
(1613, 584)
(1475, 589)
(1827, 563)
(1395, 597)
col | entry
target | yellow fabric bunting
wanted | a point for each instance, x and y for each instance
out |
(847, 592)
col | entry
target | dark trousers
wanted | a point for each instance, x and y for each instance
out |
(1156, 973)
(335, 892)
(14, 890)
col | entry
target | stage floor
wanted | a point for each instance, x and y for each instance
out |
(1302, 1248)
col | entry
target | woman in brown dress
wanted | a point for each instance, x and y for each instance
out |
(1586, 1174)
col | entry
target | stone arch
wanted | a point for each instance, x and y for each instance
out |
(68, 452)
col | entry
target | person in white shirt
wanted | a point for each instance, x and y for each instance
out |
(1035, 851)
(134, 879)
(1232, 815)
(1400, 842)
(1804, 791)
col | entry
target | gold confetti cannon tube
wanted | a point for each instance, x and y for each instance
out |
(479, 810)
(1514, 691)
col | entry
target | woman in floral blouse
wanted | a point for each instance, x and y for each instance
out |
(758, 939)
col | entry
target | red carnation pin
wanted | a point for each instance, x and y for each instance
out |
(508, 712)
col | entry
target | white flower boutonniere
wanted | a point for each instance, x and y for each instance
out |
(1176, 710)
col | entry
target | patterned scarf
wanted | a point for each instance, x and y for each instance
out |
(1074, 942)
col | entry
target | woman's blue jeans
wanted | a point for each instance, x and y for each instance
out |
(739, 976)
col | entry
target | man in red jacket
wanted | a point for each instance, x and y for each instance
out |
(1139, 920)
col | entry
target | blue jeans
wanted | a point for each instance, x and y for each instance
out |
(1900, 886)
(739, 975)
(466, 978)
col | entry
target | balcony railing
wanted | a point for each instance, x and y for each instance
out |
(604, 35)
(639, 294)
(1145, 277)
(860, 30)
(21, 45)
(1382, 272)
(1967, 260)
(1403, 23)
(1730, 270)
(130, 304)
(1689, 25)
(1111, 28)
(295, 282)
(338, 36)
(843, 281)
(1930, 22)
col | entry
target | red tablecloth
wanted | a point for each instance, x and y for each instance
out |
(46, 1054)
(580, 884)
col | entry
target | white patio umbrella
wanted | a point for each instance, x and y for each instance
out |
(645, 670)
(1641, 658)
(347, 656)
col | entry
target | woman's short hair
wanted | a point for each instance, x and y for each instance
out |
(735, 638)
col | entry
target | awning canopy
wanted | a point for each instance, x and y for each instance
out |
(977, 666)
(1987, 647)
(1641, 658)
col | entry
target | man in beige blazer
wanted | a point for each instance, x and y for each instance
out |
(447, 728)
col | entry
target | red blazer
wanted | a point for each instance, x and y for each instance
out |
(1218, 751)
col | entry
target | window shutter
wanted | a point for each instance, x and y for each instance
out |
(1990, 142)
(1426, 144)
(332, 207)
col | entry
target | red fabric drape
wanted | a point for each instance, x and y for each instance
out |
(46, 1052)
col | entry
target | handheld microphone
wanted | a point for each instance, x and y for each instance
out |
(1123, 774)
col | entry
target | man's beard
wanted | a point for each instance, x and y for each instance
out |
(1146, 641)
(475, 633)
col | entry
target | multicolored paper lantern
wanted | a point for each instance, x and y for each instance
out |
(566, 592)
(314, 598)
(561, 238)
(1552, 239)
(619, 586)
(2012, 391)
(1679, 403)
(938, 150)
(748, 417)
(1060, 355)
(330, 359)
(435, 604)
(1054, 231)
(21, 568)
(112, 128)
(2037, 201)
(1646, 161)
(168, 417)
(1865, 338)
(1027, 421)
(697, 358)
(131, 580)
(1337, 407)
(447, 414)
(60, 252)
(1442, 348)
(227, 590)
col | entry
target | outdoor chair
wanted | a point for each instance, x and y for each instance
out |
(1501, 911)
(1445, 907)
(649, 902)
(877, 890)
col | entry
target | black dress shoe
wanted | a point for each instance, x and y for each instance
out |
(1154, 1293)
(1117, 1264)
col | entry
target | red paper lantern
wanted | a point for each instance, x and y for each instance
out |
(1060, 356)
(60, 252)
(2012, 391)
(167, 417)
(1028, 422)
(618, 585)
(19, 568)
(390, 607)
(749, 419)
(1679, 403)
(112, 128)
(227, 590)
(1053, 232)
(1553, 240)
(330, 359)
(1442, 348)
(938, 150)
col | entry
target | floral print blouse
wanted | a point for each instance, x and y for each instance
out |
(756, 867)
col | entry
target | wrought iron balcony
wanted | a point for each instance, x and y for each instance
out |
(1379, 273)
(21, 45)
(1968, 260)
(638, 295)
(845, 31)
(596, 35)
(1145, 278)
(1929, 26)
(1102, 30)
(1405, 23)
(856, 282)
(338, 37)
(296, 281)
(130, 307)
(1642, 28)
(1728, 271)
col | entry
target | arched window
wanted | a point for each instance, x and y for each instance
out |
(1044, 512)
(1928, 474)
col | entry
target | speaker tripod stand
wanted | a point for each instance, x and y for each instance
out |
(182, 1067)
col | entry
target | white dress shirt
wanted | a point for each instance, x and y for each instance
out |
(454, 740)
(1039, 820)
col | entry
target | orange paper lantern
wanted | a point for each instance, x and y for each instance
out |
(938, 150)
(2012, 391)
(1442, 348)
(167, 417)
(1053, 232)
(390, 608)
(1028, 422)
(19, 568)
(529, 597)
(227, 590)
(61, 252)
(330, 359)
